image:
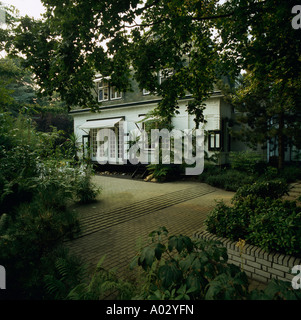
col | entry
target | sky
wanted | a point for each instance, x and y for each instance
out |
(32, 8)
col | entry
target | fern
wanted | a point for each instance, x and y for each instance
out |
(102, 284)
(68, 272)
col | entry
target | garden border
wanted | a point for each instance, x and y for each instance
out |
(257, 263)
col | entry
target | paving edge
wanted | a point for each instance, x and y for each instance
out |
(257, 263)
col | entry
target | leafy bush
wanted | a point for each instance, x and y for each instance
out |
(85, 190)
(101, 285)
(172, 268)
(275, 226)
(271, 224)
(62, 273)
(34, 198)
(229, 222)
(290, 174)
(276, 290)
(164, 172)
(229, 179)
(209, 170)
(186, 269)
(263, 189)
(31, 235)
(246, 161)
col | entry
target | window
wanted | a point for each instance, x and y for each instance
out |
(114, 94)
(93, 142)
(164, 74)
(107, 92)
(214, 139)
(103, 90)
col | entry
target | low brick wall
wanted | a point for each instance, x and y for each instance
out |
(257, 263)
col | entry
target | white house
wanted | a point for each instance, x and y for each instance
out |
(130, 108)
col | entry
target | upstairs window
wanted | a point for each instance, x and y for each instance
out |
(107, 92)
(103, 90)
(165, 74)
(114, 94)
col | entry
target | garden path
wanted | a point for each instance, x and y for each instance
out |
(127, 210)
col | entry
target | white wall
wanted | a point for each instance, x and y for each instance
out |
(131, 114)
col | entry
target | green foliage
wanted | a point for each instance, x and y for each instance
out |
(229, 222)
(271, 224)
(290, 174)
(275, 226)
(268, 96)
(103, 284)
(85, 190)
(246, 161)
(28, 239)
(164, 172)
(34, 199)
(180, 268)
(67, 272)
(273, 189)
(228, 179)
(168, 268)
(276, 290)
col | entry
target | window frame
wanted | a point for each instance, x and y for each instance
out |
(169, 73)
(101, 86)
(111, 94)
(111, 88)
(215, 133)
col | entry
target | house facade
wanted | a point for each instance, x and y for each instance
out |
(122, 115)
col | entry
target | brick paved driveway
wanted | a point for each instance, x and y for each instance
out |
(128, 210)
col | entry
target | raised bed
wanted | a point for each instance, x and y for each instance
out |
(257, 263)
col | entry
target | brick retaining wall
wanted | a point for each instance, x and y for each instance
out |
(257, 263)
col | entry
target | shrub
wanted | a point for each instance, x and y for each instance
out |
(164, 172)
(290, 174)
(272, 189)
(61, 273)
(229, 179)
(230, 222)
(271, 224)
(173, 268)
(275, 226)
(186, 269)
(85, 190)
(32, 234)
(246, 161)
(209, 170)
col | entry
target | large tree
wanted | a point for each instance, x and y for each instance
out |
(66, 49)
(262, 41)
(193, 41)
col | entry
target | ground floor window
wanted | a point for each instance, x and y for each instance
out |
(109, 143)
(214, 140)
